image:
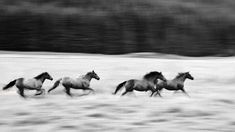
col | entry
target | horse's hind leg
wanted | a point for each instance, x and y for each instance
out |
(67, 90)
(129, 87)
(125, 93)
(39, 92)
(153, 93)
(21, 92)
(158, 92)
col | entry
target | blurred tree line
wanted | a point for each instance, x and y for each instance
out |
(116, 26)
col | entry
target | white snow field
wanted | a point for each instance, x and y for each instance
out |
(210, 108)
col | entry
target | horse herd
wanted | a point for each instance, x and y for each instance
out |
(153, 81)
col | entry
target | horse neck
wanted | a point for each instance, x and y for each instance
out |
(42, 79)
(181, 79)
(152, 80)
(87, 77)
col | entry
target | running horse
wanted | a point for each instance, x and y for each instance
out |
(175, 84)
(82, 83)
(29, 84)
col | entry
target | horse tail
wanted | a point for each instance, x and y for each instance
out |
(56, 84)
(9, 85)
(119, 86)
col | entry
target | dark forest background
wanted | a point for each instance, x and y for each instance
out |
(185, 27)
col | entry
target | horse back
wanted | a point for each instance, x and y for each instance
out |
(70, 82)
(171, 85)
(142, 85)
(31, 83)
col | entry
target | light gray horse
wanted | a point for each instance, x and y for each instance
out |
(76, 83)
(175, 84)
(30, 84)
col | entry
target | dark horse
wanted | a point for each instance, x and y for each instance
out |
(148, 82)
(175, 84)
(77, 83)
(30, 84)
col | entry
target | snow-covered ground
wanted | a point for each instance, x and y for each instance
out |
(210, 108)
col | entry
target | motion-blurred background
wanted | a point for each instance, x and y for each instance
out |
(185, 27)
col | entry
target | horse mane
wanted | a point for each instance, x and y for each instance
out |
(39, 76)
(150, 75)
(88, 73)
(180, 75)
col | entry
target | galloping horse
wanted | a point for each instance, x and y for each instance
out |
(175, 84)
(78, 83)
(148, 82)
(30, 84)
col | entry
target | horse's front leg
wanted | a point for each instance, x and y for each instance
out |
(152, 93)
(90, 89)
(158, 93)
(182, 89)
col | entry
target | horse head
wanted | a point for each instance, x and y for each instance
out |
(94, 75)
(188, 75)
(46, 75)
(161, 77)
